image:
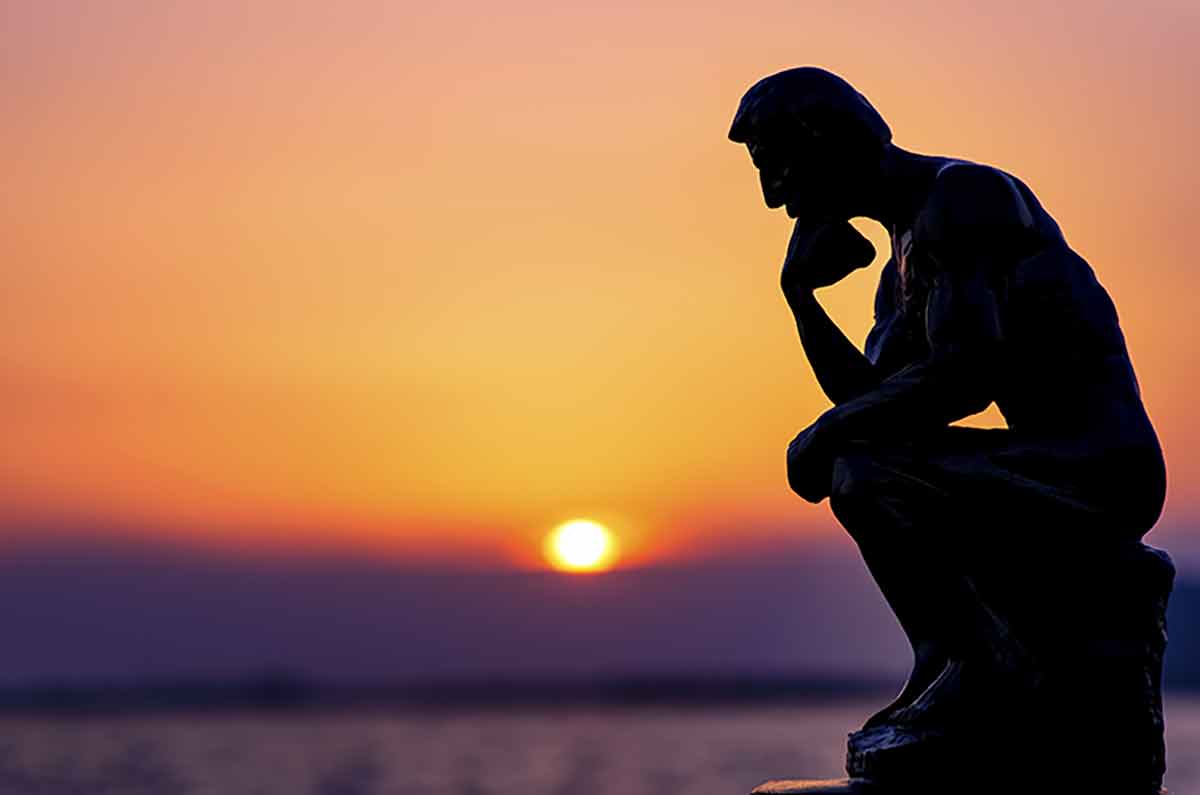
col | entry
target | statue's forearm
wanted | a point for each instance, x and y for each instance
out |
(840, 367)
(928, 394)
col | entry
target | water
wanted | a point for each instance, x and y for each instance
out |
(587, 751)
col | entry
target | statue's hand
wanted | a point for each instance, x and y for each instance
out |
(810, 463)
(822, 254)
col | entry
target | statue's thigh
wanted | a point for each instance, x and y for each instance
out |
(1015, 515)
(987, 493)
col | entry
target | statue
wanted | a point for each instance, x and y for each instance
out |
(1012, 557)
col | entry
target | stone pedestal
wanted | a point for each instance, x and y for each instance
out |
(1096, 713)
(967, 786)
(812, 786)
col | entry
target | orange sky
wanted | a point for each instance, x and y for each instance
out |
(431, 278)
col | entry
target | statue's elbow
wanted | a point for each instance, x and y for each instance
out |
(971, 404)
(967, 386)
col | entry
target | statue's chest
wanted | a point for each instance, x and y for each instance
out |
(901, 249)
(911, 287)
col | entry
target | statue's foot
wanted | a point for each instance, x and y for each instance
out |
(939, 705)
(963, 689)
(929, 660)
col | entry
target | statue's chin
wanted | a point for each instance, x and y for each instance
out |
(800, 208)
(795, 210)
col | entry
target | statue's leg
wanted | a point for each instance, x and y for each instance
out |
(992, 543)
(901, 519)
(929, 655)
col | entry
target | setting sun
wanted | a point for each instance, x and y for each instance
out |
(580, 545)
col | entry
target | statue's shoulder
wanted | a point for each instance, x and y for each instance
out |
(973, 206)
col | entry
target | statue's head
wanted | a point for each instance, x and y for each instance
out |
(812, 137)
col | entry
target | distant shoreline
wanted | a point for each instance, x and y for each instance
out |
(290, 693)
(284, 692)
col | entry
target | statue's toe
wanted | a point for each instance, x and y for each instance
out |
(928, 664)
(965, 688)
(937, 705)
(883, 715)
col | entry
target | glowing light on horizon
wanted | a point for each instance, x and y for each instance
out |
(580, 545)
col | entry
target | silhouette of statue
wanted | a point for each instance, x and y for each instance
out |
(1012, 557)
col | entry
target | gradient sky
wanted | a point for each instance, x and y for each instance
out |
(423, 280)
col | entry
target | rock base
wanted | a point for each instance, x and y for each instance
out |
(1093, 714)
(812, 786)
(966, 786)
(1088, 717)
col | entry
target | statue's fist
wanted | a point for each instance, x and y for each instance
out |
(823, 254)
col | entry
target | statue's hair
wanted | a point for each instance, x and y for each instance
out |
(809, 100)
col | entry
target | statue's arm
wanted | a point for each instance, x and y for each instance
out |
(971, 226)
(842, 370)
(822, 252)
(953, 381)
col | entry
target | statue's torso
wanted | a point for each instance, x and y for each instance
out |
(1066, 369)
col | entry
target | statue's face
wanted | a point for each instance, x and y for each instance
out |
(796, 174)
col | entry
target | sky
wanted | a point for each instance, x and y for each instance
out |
(420, 281)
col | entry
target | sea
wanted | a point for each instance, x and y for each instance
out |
(591, 750)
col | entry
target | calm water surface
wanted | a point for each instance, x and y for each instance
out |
(597, 751)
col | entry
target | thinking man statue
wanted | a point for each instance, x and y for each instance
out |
(971, 534)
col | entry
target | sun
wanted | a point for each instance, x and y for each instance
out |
(580, 545)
